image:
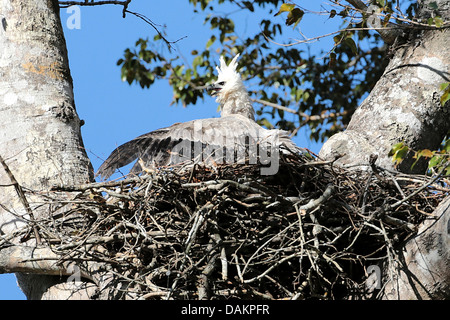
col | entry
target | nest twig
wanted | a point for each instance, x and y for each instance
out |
(310, 231)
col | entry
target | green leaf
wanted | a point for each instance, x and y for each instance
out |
(332, 62)
(249, 5)
(425, 153)
(294, 17)
(400, 155)
(446, 146)
(434, 161)
(438, 22)
(381, 2)
(386, 19)
(306, 96)
(396, 147)
(444, 86)
(266, 123)
(210, 41)
(179, 71)
(281, 113)
(446, 95)
(298, 94)
(415, 162)
(398, 152)
(351, 43)
(433, 5)
(344, 13)
(198, 60)
(422, 153)
(285, 7)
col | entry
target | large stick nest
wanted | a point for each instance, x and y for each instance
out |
(310, 231)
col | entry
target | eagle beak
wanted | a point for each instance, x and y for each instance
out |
(214, 88)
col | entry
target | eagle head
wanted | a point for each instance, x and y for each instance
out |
(228, 82)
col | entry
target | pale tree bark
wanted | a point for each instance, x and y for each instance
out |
(423, 272)
(40, 139)
(404, 106)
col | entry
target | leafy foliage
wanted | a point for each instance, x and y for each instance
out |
(438, 160)
(321, 91)
(445, 88)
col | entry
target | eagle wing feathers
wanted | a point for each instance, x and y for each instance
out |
(220, 137)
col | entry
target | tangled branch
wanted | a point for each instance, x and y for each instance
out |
(191, 232)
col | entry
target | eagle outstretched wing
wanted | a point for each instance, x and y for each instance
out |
(219, 140)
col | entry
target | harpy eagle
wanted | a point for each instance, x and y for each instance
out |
(233, 137)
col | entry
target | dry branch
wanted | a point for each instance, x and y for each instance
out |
(22, 198)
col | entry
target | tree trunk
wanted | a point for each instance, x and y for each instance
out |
(404, 106)
(423, 272)
(40, 137)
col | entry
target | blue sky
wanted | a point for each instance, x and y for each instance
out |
(115, 112)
